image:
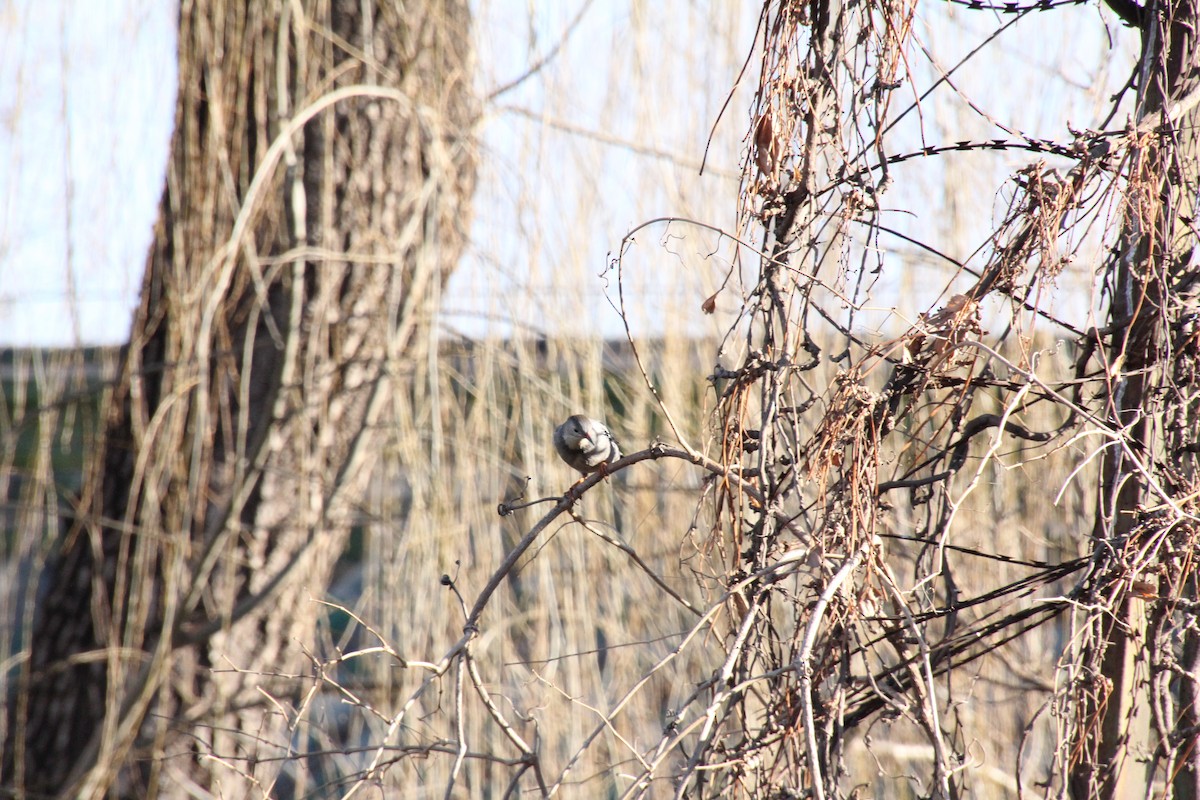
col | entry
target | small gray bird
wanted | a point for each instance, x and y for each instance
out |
(585, 444)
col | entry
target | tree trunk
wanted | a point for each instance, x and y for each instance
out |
(1153, 358)
(316, 198)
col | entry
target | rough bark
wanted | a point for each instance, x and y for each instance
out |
(1152, 398)
(316, 197)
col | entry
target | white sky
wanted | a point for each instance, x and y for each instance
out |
(86, 103)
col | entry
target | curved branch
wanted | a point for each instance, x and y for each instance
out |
(654, 452)
(982, 423)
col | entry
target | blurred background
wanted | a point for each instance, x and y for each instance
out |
(606, 129)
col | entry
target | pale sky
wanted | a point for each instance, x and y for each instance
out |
(606, 136)
(86, 105)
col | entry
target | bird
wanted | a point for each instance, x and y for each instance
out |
(585, 444)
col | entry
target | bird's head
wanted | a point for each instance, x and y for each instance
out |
(576, 431)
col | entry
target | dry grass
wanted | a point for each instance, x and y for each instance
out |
(590, 659)
(844, 549)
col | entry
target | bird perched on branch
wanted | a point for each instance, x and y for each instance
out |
(585, 444)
